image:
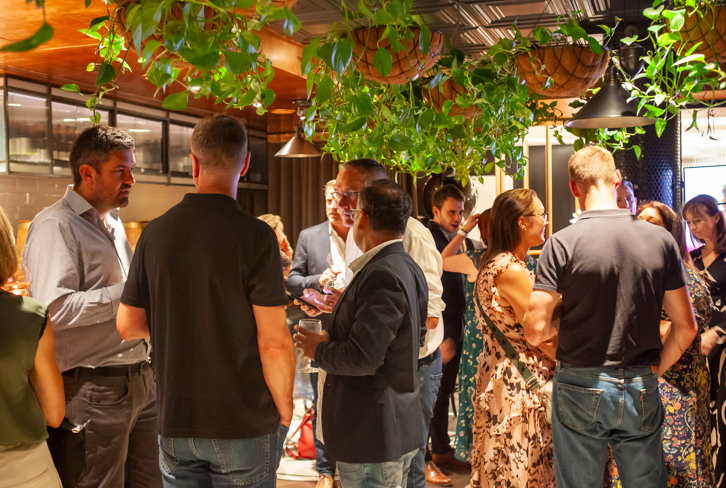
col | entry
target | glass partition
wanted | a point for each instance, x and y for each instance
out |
(3, 147)
(28, 128)
(68, 122)
(179, 138)
(148, 137)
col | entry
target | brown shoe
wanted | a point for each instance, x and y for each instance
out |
(324, 481)
(450, 461)
(434, 476)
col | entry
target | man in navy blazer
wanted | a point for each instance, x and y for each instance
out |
(371, 406)
(310, 269)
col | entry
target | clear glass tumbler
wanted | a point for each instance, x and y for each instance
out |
(313, 325)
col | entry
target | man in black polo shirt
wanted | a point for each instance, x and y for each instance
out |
(208, 279)
(615, 274)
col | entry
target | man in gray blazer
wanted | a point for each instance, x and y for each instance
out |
(311, 269)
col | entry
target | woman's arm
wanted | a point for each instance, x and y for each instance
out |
(461, 263)
(458, 239)
(46, 380)
(514, 288)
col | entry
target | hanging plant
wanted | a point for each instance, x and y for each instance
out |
(705, 29)
(358, 117)
(676, 75)
(207, 48)
(449, 90)
(560, 68)
(408, 59)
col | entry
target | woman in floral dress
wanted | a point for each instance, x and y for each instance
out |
(685, 387)
(512, 441)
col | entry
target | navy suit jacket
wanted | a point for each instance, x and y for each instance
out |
(371, 400)
(310, 260)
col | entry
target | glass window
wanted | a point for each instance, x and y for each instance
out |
(28, 134)
(68, 122)
(2, 128)
(147, 135)
(179, 138)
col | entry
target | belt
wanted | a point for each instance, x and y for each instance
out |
(108, 371)
(425, 361)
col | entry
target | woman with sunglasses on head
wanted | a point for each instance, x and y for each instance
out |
(706, 223)
(31, 387)
(512, 441)
(685, 387)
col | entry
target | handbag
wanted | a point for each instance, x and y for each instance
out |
(544, 392)
(67, 445)
(305, 445)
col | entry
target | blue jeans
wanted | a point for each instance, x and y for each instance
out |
(324, 464)
(596, 406)
(221, 463)
(429, 380)
(392, 474)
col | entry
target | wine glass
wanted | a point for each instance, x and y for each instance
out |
(18, 283)
(313, 325)
(336, 283)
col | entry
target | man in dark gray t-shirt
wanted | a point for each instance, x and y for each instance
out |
(614, 275)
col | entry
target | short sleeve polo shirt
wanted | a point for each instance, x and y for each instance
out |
(612, 271)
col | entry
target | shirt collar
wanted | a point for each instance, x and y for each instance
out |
(77, 203)
(606, 212)
(360, 262)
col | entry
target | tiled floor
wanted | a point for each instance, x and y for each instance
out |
(458, 480)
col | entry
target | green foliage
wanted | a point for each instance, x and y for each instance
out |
(207, 47)
(397, 124)
(44, 34)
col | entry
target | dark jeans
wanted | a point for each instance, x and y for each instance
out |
(429, 380)
(221, 463)
(324, 464)
(440, 421)
(592, 407)
(121, 446)
(391, 474)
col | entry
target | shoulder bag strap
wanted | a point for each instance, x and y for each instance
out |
(529, 379)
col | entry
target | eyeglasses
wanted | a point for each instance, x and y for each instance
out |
(354, 212)
(350, 196)
(544, 216)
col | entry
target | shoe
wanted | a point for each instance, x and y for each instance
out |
(434, 476)
(324, 481)
(450, 461)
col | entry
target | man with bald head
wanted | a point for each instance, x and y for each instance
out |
(206, 285)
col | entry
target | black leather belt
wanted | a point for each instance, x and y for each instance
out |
(108, 371)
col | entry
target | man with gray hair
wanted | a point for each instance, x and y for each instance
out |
(213, 304)
(79, 257)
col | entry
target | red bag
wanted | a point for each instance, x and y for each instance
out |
(305, 446)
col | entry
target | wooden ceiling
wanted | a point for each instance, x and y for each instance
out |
(64, 60)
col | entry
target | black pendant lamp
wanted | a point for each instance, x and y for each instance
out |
(298, 146)
(609, 108)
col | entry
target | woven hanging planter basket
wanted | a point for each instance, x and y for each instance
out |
(176, 14)
(574, 70)
(710, 31)
(408, 64)
(448, 91)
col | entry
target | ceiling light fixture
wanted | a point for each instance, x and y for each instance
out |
(298, 146)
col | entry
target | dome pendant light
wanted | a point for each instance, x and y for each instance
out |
(609, 108)
(298, 146)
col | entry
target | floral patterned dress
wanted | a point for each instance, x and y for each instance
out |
(685, 390)
(512, 444)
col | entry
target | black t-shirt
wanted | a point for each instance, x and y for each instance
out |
(612, 270)
(197, 271)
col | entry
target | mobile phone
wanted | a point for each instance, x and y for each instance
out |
(302, 300)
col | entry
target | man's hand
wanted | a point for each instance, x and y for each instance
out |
(327, 276)
(432, 322)
(471, 223)
(448, 350)
(307, 341)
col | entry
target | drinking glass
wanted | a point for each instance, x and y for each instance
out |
(18, 284)
(313, 325)
(337, 283)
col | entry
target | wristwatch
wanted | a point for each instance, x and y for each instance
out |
(462, 232)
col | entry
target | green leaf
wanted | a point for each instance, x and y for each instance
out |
(383, 61)
(365, 11)
(150, 17)
(268, 98)
(72, 87)
(660, 126)
(594, 45)
(688, 59)
(577, 32)
(106, 74)
(636, 149)
(205, 62)
(436, 80)
(149, 50)
(177, 101)
(342, 54)
(628, 40)
(356, 125)
(98, 20)
(309, 51)
(607, 29)
(323, 90)
(237, 63)
(489, 167)
(652, 13)
(424, 40)
(677, 22)
(400, 142)
(88, 3)
(44, 34)
(458, 54)
(95, 118)
(579, 144)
